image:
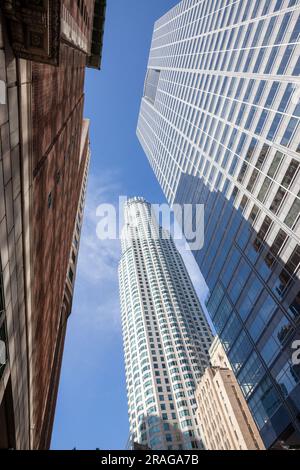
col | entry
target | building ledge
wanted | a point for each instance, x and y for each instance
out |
(95, 57)
(34, 29)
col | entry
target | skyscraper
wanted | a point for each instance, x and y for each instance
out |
(219, 122)
(44, 157)
(165, 332)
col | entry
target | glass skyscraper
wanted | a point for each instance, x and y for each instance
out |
(219, 122)
(165, 332)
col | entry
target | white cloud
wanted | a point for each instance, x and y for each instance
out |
(98, 259)
(96, 300)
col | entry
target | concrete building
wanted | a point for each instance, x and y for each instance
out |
(219, 122)
(44, 48)
(223, 414)
(165, 333)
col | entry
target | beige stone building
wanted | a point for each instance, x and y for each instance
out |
(225, 420)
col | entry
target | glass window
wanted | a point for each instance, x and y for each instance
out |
(296, 70)
(293, 214)
(250, 117)
(239, 352)
(264, 189)
(272, 94)
(273, 345)
(290, 173)
(231, 331)
(288, 378)
(155, 442)
(262, 156)
(256, 8)
(295, 34)
(252, 180)
(283, 27)
(243, 235)
(278, 5)
(267, 309)
(286, 98)
(215, 299)
(289, 131)
(264, 403)
(251, 374)
(231, 264)
(249, 90)
(275, 164)
(261, 122)
(257, 327)
(259, 92)
(276, 203)
(285, 60)
(239, 280)
(151, 84)
(253, 289)
(271, 60)
(259, 61)
(274, 126)
(223, 313)
(294, 308)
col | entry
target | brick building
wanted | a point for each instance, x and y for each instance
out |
(223, 414)
(44, 157)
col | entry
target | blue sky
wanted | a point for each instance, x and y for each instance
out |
(92, 407)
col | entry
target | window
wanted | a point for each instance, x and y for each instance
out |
(239, 352)
(288, 378)
(239, 280)
(264, 189)
(286, 98)
(71, 275)
(215, 299)
(285, 60)
(252, 292)
(264, 402)
(231, 331)
(222, 315)
(151, 85)
(275, 164)
(289, 132)
(273, 345)
(272, 94)
(294, 308)
(276, 203)
(251, 374)
(274, 127)
(261, 122)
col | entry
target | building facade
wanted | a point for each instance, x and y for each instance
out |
(44, 49)
(223, 414)
(219, 122)
(165, 332)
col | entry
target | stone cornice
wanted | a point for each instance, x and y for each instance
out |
(34, 29)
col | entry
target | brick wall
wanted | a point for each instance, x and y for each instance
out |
(58, 110)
